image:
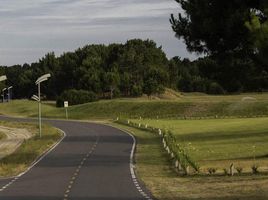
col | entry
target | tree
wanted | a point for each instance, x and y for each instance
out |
(224, 32)
(216, 27)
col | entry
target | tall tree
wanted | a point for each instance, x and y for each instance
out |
(215, 27)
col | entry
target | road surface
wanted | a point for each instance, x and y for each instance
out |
(92, 162)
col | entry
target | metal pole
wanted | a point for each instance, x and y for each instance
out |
(4, 94)
(39, 111)
(8, 98)
(66, 113)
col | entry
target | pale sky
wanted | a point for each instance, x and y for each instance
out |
(31, 28)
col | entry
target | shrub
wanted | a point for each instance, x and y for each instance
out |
(75, 97)
(239, 170)
(136, 91)
(212, 170)
(255, 169)
(225, 171)
(215, 88)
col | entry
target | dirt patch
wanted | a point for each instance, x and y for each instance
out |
(14, 138)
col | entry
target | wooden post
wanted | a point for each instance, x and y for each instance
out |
(164, 143)
(177, 164)
(232, 169)
(172, 155)
(168, 150)
(187, 170)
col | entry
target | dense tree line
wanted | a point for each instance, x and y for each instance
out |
(233, 36)
(129, 70)
(126, 70)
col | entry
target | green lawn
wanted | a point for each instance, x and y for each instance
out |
(30, 150)
(153, 168)
(220, 142)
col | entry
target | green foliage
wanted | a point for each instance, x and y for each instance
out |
(233, 37)
(215, 88)
(75, 97)
(109, 71)
(215, 27)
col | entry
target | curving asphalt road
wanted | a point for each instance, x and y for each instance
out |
(92, 162)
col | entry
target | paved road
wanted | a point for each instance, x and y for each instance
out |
(92, 162)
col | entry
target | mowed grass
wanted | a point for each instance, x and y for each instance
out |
(220, 142)
(187, 105)
(30, 150)
(153, 168)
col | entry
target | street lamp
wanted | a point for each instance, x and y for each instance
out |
(3, 92)
(3, 78)
(38, 98)
(8, 93)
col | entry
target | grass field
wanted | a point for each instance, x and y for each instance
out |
(154, 169)
(30, 150)
(189, 105)
(220, 142)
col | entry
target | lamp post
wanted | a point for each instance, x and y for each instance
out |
(3, 78)
(38, 98)
(3, 92)
(8, 93)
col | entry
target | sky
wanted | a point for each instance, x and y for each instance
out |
(31, 28)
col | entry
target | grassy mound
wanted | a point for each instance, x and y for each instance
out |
(187, 105)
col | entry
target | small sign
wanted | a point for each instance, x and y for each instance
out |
(66, 104)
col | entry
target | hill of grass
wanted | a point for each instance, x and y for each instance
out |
(189, 105)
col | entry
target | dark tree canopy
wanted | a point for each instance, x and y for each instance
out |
(107, 71)
(232, 35)
(217, 26)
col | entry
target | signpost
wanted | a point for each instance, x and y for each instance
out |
(66, 105)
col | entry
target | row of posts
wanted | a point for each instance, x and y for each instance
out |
(177, 163)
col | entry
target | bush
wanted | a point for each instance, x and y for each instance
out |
(215, 88)
(136, 91)
(75, 97)
(212, 170)
(255, 169)
(239, 170)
